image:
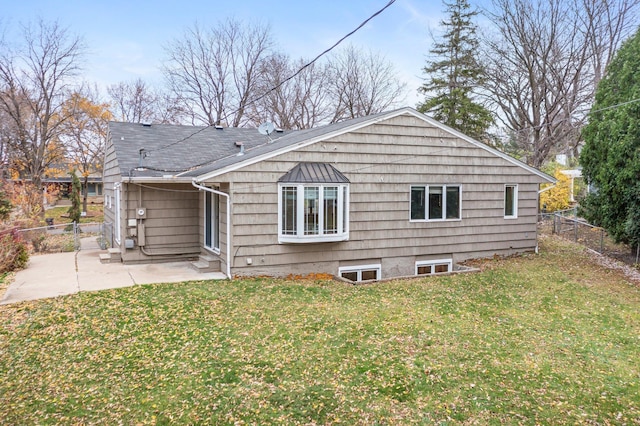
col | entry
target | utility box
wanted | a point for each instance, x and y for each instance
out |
(141, 213)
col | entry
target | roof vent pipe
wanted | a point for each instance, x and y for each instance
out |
(142, 155)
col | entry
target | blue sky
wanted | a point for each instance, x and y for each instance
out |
(126, 38)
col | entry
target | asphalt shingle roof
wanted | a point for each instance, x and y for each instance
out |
(169, 149)
(289, 139)
(193, 151)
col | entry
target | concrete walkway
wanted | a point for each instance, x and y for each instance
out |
(59, 274)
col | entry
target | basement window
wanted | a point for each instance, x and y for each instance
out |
(431, 267)
(361, 272)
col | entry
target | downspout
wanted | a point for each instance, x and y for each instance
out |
(214, 191)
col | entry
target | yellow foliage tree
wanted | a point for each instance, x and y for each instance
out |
(556, 198)
(85, 135)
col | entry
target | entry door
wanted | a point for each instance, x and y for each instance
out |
(116, 196)
(212, 221)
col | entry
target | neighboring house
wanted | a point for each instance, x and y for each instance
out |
(573, 174)
(389, 195)
(62, 184)
(57, 186)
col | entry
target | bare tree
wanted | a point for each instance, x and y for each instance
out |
(132, 101)
(362, 83)
(214, 72)
(35, 79)
(136, 102)
(168, 109)
(542, 65)
(605, 24)
(293, 95)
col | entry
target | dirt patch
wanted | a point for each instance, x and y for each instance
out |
(630, 272)
(594, 238)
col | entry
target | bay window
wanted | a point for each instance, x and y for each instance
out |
(313, 212)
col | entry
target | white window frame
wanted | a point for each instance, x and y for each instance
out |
(342, 211)
(515, 201)
(359, 269)
(433, 264)
(117, 218)
(215, 222)
(444, 202)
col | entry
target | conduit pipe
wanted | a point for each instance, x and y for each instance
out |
(224, 194)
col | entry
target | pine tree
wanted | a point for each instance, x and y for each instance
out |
(5, 204)
(611, 154)
(452, 79)
(74, 210)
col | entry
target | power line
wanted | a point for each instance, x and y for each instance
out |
(317, 57)
(276, 87)
(542, 126)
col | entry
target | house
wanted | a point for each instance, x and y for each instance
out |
(62, 185)
(388, 195)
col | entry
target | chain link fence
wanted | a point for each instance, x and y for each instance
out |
(567, 224)
(65, 237)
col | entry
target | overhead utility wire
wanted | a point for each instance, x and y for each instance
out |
(542, 126)
(276, 87)
(317, 57)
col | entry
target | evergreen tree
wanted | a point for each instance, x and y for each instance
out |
(611, 154)
(452, 78)
(5, 204)
(74, 210)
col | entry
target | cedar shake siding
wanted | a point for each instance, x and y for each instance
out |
(171, 225)
(382, 161)
(277, 218)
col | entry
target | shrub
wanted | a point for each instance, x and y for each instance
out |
(13, 252)
(557, 198)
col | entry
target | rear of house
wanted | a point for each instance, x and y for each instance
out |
(395, 194)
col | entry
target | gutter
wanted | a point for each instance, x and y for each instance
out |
(224, 194)
(149, 179)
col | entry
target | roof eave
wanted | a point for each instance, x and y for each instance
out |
(156, 179)
(485, 147)
(383, 117)
(299, 145)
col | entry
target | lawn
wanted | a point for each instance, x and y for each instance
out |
(61, 215)
(535, 339)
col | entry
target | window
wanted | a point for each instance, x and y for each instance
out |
(313, 212)
(429, 267)
(94, 189)
(435, 202)
(511, 201)
(361, 272)
(212, 221)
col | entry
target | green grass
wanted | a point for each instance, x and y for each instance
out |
(60, 214)
(536, 339)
